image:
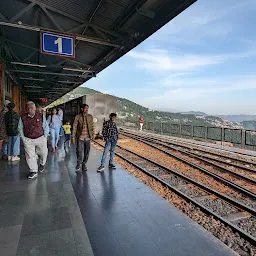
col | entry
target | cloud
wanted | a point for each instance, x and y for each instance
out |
(198, 94)
(162, 60)
(205, 20)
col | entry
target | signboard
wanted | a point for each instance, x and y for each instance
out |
(43, 99)
(57, 44)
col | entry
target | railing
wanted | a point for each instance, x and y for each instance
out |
(233, 137)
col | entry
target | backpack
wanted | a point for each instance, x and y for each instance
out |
(12, 123)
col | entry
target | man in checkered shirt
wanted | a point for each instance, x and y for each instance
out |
(110, 136)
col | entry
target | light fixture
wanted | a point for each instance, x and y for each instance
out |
(78, 70)
(28, 64)
(32, 79)
(35, 86)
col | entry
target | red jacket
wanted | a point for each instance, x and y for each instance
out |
(141, 119)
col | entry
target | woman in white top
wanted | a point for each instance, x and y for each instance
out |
(55, 125)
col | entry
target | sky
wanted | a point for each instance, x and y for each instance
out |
(202, 60)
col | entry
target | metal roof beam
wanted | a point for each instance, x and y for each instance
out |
(30, 56)
(59, 12)
(93, 14)
(2, 16)
(84, 23)
(52, 66)
(111, 33)
(101, 34)
(77, 37)
(36, 49)
(23, 11)
(49, 81)
(51, 18)
(47, 73)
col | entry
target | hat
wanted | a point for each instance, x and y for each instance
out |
(6, 102)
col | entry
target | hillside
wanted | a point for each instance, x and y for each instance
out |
(129, 112)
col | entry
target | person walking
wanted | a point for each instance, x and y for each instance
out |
(3, 135)
(110, 136)
(141, 121)
(33, 130)
(55, 125)
(11, 124)
(61, 114)
(83, 132)
(67, 131)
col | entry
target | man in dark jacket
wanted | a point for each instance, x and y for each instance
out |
(83, 132)
(110, 136)
(11, 125)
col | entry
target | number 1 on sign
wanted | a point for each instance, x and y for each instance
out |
(59, 43)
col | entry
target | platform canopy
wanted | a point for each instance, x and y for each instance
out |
(50, 47)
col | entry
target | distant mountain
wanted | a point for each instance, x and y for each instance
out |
(238, 118)
(130, 111)
(197, 113)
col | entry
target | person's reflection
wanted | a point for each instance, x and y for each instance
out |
(62, 143)
(108, 196)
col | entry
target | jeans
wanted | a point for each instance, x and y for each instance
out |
(5, 148)
(14, 146)
(83, 150)
(54, 136)
(110, 145)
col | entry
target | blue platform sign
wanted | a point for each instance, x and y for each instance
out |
(55, 44)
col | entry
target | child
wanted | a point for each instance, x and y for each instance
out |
(67, 130)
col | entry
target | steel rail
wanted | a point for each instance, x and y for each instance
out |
(241, 232)
(175, 142)
(137, 137)
(226, 181)
(212, 153)
(225, 197)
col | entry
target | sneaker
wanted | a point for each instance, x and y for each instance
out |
(111, 166)
(32, 175)
(78, 168)
(41, 168)
(84, 168)
(101, 169)
(4, 157)
(15, 158)
(9, 158)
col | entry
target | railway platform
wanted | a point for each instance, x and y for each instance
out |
(102, 214)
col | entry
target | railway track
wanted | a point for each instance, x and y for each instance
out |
(236, 215)
(243, 190)
(233, 159)
(241, 172)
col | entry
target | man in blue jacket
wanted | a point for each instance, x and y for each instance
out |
(110, 136)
